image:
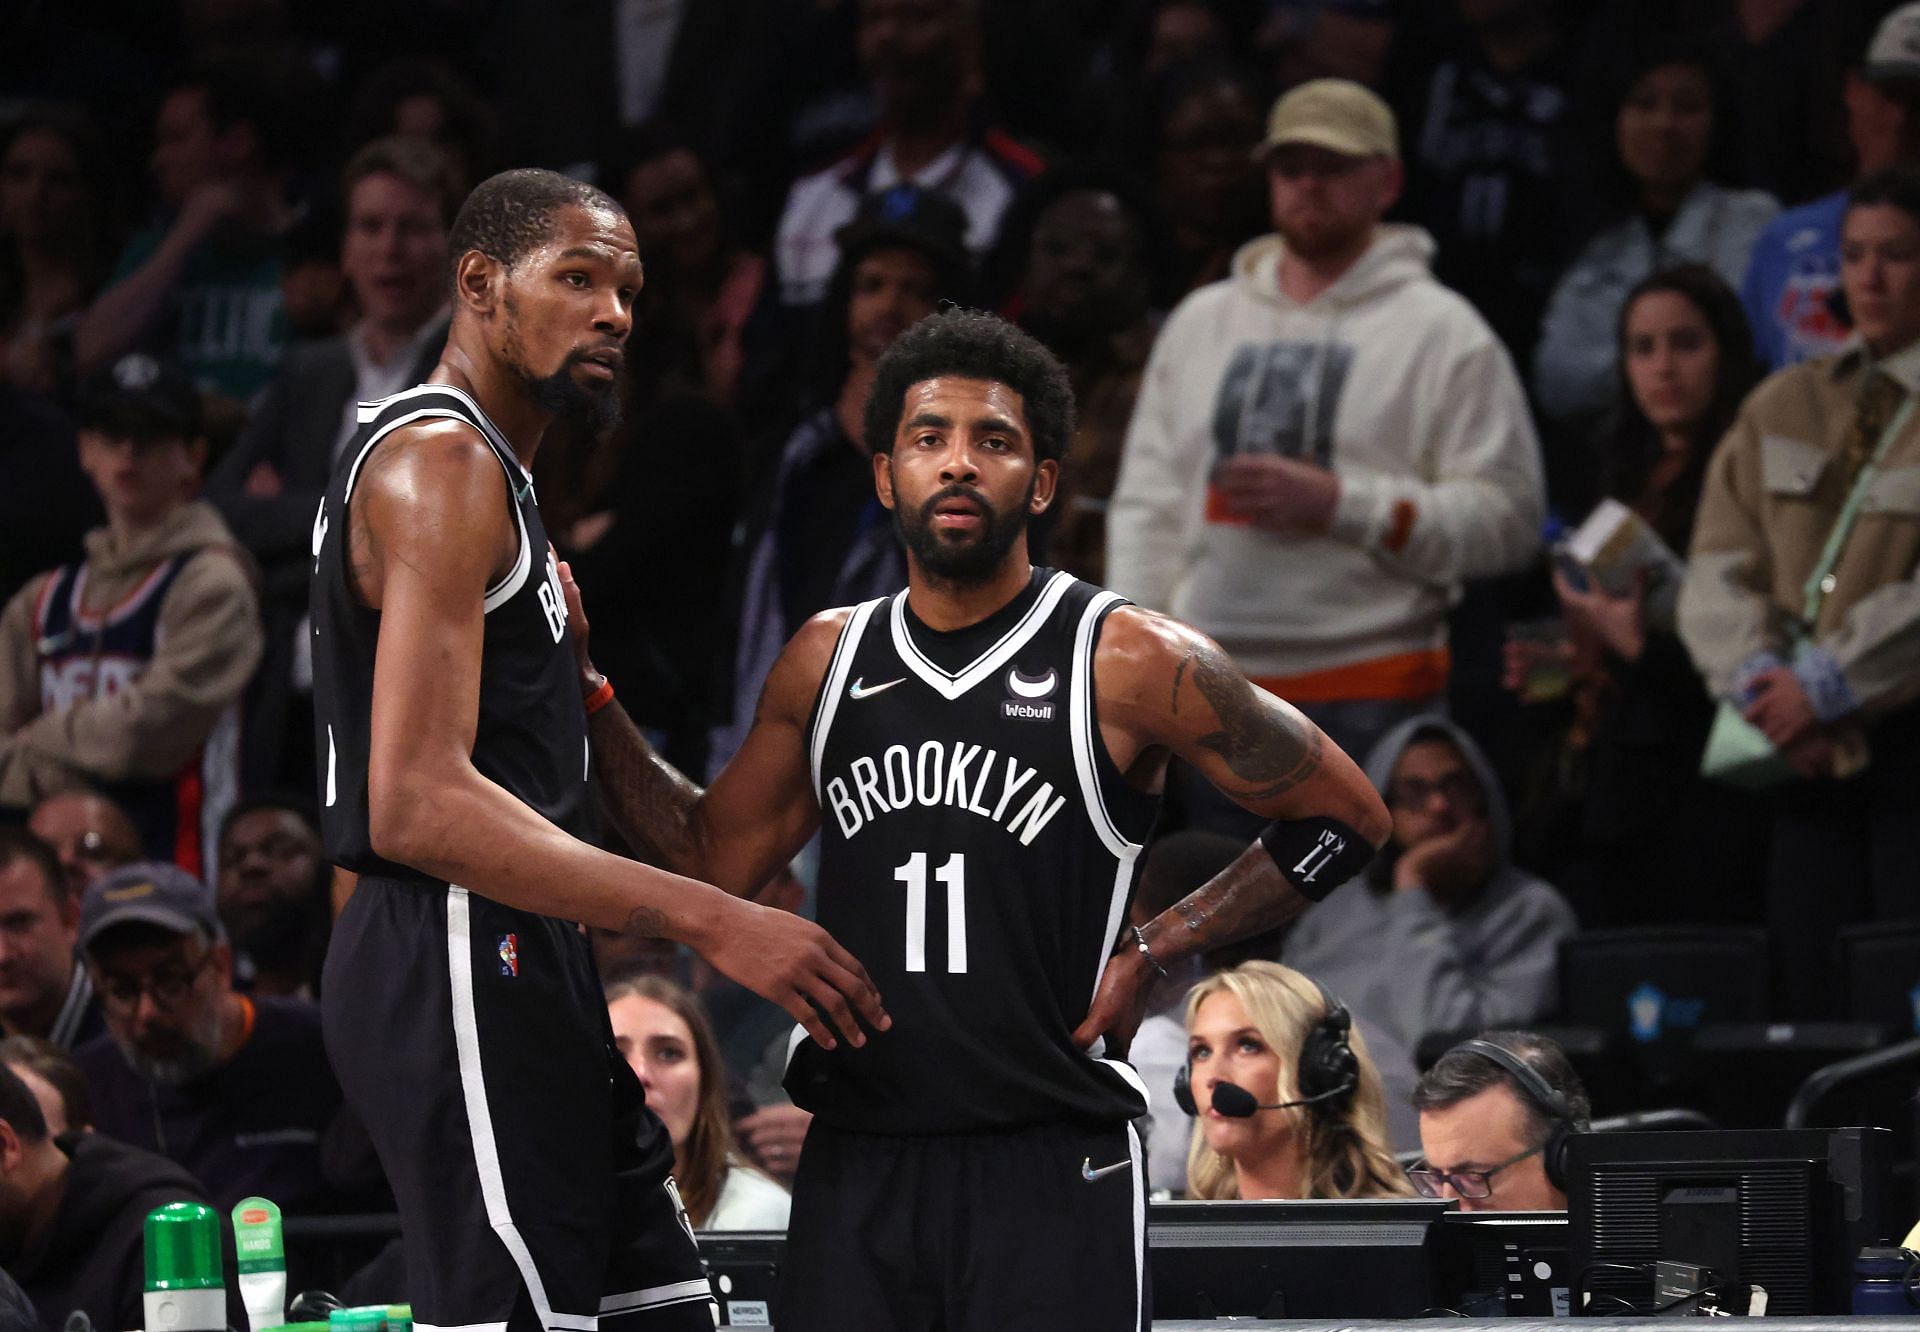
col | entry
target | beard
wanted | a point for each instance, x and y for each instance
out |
(559, 394)
(962, 557)
(181, 1057)
(281, 935)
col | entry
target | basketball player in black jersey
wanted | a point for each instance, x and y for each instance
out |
(461, 1007)
(982, 755)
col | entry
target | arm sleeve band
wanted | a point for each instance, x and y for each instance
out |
(1315, 855)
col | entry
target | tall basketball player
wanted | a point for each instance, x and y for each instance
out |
(982, 754)
(461, 1009)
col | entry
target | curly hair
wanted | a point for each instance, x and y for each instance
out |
(509, 215)
(973, 344)
(1347, 1155)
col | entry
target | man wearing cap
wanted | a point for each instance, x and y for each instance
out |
(822, 539)
(123, 673)
(237, 1090)
(1793, 275)
(1327, 442)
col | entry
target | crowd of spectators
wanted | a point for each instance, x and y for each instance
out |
(1368, 306)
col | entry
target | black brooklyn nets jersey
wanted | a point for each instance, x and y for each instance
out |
(532, 735)
(978, 854)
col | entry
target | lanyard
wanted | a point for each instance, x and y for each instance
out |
(1817, 587)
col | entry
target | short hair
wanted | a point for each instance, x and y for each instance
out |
(421, 164)
(17, 844)
(277, 800)
(1462, 1074)
(19, 1109)
(49, 1061)
(509, 215)
(973, 345)
(1898, 186)
(255, 89)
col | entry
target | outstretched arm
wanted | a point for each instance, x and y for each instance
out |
(1165, 686)
(758, 813)
(429, 528)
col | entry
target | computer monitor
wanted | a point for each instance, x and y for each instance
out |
(1784, 1209)
(743, 1267)
(1346, 1258)
(1502, 1264)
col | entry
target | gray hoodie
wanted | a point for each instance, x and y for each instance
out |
(1413, 967)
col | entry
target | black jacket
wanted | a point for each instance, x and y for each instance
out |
(92, 1256)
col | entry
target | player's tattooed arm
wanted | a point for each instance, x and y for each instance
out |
(1164, 684)
(1265, 747)
(650, 801)
(757, 814)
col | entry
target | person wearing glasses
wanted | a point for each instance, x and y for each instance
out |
(1489, 1139)
(1444, 933)
(235, 1089)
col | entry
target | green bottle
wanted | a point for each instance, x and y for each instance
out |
(185, 1287)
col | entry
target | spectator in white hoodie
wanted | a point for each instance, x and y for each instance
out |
(1327, 442)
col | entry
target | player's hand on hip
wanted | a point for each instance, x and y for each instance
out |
(1119, 1005)
(792, 962)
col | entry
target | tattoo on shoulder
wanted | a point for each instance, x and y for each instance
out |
(1264, 746)
(1179, 674)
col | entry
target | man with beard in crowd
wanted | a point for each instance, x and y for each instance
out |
(274, 896)
(235, 1089)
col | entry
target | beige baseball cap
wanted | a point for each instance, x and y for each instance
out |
(1336, 114)
(1894, 52)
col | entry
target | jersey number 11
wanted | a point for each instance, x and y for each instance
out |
(952, 877)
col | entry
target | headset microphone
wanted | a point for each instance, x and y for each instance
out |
(1236, 1102)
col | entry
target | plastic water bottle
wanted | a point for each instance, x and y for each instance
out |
(1880, 1283)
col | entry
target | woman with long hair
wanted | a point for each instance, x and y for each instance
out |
(669, 1043)
(1617, 814)
(1247, 1027)
(1662, 211)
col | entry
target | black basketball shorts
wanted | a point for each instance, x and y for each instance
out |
(533, 1184)
(1034, 1230)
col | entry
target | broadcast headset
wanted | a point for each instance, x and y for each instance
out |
(1543, 1094)
(1328, 1070)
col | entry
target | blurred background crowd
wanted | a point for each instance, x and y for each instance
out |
(1353, 368)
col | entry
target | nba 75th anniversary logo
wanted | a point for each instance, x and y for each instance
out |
(1029, 696)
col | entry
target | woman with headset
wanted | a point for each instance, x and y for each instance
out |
(1287, 1103)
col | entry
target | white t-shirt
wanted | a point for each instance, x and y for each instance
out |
(749, 1201)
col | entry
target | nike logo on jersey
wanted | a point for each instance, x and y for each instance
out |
(1088, 1173)
(860, 689)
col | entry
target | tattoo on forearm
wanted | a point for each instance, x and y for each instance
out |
(650, 800)
(1250, 896)
(1264, 746)
(646, 923)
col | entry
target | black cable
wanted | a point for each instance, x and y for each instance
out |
(1717, 1291)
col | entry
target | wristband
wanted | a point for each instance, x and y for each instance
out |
(1315, 855)
(600, 697)
(1140, 942)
